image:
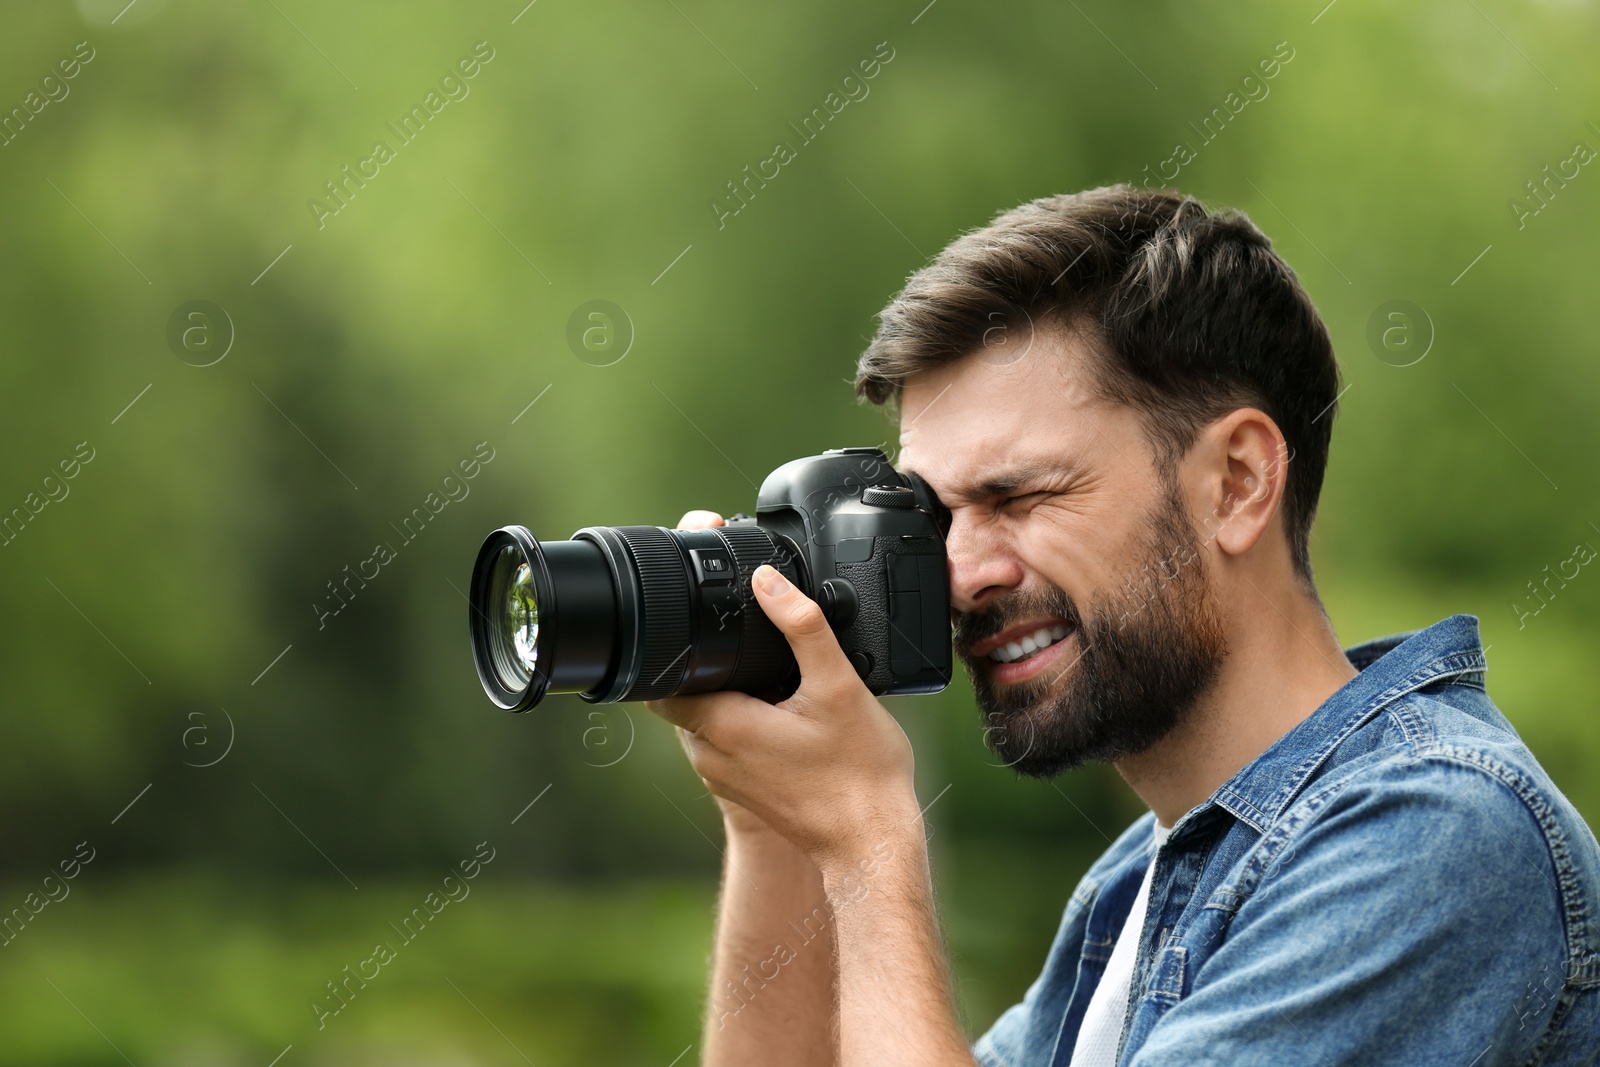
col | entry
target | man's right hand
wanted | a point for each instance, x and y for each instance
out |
(736, 819)
(770, 889)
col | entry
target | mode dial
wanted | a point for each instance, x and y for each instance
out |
(889, 496)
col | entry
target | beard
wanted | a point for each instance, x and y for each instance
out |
(1145, 654)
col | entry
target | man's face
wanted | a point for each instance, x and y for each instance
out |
(1079, 587)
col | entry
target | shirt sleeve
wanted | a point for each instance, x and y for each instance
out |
(1413, 917)
(1003, 1045)
(1025, 1035)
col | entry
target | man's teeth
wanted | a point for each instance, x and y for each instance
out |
(1042, 638)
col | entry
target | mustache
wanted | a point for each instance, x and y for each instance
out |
(970, 627)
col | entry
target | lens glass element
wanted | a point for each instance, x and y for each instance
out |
(516, 636)
(522, 617)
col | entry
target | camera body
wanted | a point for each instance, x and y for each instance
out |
(873, 558)
(644, 612)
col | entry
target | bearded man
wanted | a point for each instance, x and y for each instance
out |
(1125, 403)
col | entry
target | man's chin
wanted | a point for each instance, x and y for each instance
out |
(1013, 732)
(1041, 767)
(1041, 734)
(1045, 755)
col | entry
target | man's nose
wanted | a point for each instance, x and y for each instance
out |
(982, 565)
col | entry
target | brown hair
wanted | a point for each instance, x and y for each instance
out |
(1191, 313)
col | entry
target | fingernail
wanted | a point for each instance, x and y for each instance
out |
(772, 582)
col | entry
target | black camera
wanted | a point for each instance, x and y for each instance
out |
(643, 612)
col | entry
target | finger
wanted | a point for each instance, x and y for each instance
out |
(800, 619)
(699, 520)
(716, 719)
(685, 740)
(695, 747)
(685, 713)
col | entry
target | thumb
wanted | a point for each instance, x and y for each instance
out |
(800, 619)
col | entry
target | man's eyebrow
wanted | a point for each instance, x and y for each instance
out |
(1006, 482)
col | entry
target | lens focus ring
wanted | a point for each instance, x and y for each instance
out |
(665, 587)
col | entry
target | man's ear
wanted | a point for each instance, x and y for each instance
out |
(1241, 463)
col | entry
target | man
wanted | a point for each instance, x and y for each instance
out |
(1126, 402)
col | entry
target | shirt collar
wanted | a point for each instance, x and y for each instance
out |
(1390, 668)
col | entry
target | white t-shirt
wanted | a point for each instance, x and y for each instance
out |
(1101, 1031)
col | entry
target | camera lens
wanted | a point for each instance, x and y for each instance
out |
(627, 613)
(516, 637)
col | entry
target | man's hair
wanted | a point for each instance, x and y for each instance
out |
(1190, 314)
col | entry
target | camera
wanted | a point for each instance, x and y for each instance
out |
(644, 612)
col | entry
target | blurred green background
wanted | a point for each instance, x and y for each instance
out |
(164, 636)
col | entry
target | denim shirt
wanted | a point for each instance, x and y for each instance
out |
(1395, 881)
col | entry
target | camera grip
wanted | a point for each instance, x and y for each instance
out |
(902, 623)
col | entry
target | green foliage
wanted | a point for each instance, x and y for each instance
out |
(185, 968)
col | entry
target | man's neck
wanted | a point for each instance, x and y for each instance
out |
(1281, 667)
